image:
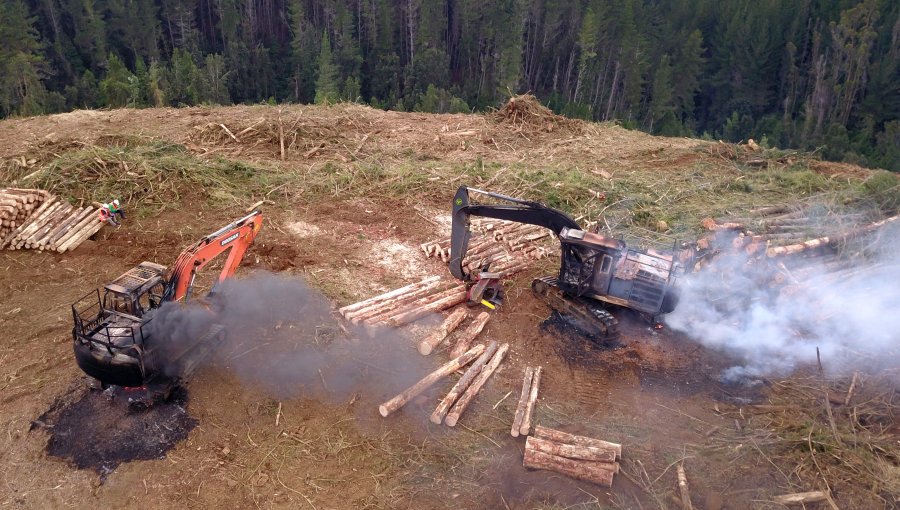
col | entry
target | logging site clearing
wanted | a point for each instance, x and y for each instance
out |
(320, 407)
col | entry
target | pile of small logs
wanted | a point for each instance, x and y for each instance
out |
(486, 360)
(54, 225)
(507, 245)
(580, 457)
(781, 231)
(406, 304)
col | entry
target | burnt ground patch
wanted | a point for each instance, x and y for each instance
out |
(101, 430)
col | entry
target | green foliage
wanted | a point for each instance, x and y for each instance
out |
(883, 188)
(116, 86)
(327, 82)
(803, 74)
(437, 100)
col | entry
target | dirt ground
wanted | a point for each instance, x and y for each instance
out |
(255, 446)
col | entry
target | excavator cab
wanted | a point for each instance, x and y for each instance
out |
(112, 341)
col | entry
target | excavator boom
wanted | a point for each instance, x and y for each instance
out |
(236, 237)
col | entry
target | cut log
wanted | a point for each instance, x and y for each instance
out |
(529, 406)
(446, 369)
(389, 307)
(48, 226)
(523, 401)
(38, 224)
(381, 297)
(468, 336)
(77, 230)
(65, 228)
(86, 233)
(802, 498)
(451, 299)
(582, 470)
(34, 215)
(460, 406)
(566, 438)
(436, 337)
(571, 451)
(684, 489)
(462, 384)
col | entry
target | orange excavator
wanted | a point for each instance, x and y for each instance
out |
(112, 334)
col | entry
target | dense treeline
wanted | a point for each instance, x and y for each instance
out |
(813, 74)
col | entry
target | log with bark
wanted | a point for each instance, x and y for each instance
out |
(446, 369)
(462, 384)
(421, 295)
(383, 297)
(594, 472)
(86, 233)
(468, 336)
(89, 221)
(683, 488)
(525, 428)
(442, 301)
(567, 438)
(436, 337)
(572, 451)
(523, 401)
(460, 406)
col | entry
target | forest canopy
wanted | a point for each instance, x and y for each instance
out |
(818, 75)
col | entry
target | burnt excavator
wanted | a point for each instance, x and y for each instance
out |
(112, 333)
(597, 273)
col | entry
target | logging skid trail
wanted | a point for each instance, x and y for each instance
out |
(357, 203)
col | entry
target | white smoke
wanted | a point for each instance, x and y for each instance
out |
(732, 306)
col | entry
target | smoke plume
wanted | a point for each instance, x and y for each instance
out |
(733, 306)
(280, 337)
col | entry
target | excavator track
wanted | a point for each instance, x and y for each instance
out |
(586, 316)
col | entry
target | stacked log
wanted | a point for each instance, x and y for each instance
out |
(35, 219)
(463, 384)
(580, 457)
(436, 337)
(480, 379)
(507, 246)
(406, 304)
(16, 206)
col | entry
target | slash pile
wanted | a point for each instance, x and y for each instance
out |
(36, 219)
(507, 246)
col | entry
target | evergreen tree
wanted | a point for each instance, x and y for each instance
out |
(116, 86)
(21, 62)
(184, 80)
(327, 82)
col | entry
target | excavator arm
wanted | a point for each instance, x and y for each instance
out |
(522, 211)
(235, 238)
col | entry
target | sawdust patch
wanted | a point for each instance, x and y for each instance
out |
(400, 258)
(303, 230)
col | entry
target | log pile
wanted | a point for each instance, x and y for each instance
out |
(406, 304)
(580, 457)
(37, 220)
(782, 231)
(508, 246)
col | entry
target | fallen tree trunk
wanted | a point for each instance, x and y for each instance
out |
(446, 369)
(591, 472)
(436, 337)
(824, 241)
(571, 451)
(566, 438)
(468, 336)
(462, 384)
(473, 389)
(529, 406)
(523, 401)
